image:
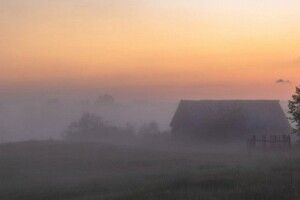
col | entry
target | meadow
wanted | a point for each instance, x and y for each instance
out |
(55, 170)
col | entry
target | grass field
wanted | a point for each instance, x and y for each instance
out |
(84, 171)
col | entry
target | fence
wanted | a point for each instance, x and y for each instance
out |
(270, 141)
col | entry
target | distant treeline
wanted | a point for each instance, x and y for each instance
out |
(91, 127)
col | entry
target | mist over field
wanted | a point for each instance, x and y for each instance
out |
(149, 100)
(99, 146)
(36, 117)
(40, 117)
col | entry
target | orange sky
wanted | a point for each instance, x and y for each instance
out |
(172, 48)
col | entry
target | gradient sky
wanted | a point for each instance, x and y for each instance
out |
(170, 48)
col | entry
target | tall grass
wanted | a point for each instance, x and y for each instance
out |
(54, 171)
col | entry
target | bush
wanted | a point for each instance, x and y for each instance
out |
(91, 127)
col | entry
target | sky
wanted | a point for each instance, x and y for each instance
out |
(171, 49)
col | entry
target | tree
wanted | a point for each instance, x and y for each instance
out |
(294, 109)
(88, 125)
(91, 127)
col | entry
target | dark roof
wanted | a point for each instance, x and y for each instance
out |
(246, 115)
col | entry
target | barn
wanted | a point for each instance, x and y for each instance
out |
(228, 120)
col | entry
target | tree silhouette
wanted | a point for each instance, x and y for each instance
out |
(294, 110)
(91, 127)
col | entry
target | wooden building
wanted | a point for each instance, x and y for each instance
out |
(228, 120)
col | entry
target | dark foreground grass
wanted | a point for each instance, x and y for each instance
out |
(54, 171)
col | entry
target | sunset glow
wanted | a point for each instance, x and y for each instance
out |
(172, 48)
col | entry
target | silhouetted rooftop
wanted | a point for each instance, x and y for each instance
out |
(263, 116)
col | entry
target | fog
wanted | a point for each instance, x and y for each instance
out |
(103, 146)
(40, 117)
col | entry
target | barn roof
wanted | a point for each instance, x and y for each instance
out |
(246, 115)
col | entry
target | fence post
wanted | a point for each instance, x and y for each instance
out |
(264, 141)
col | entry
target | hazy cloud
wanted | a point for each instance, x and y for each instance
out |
(282, 81)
